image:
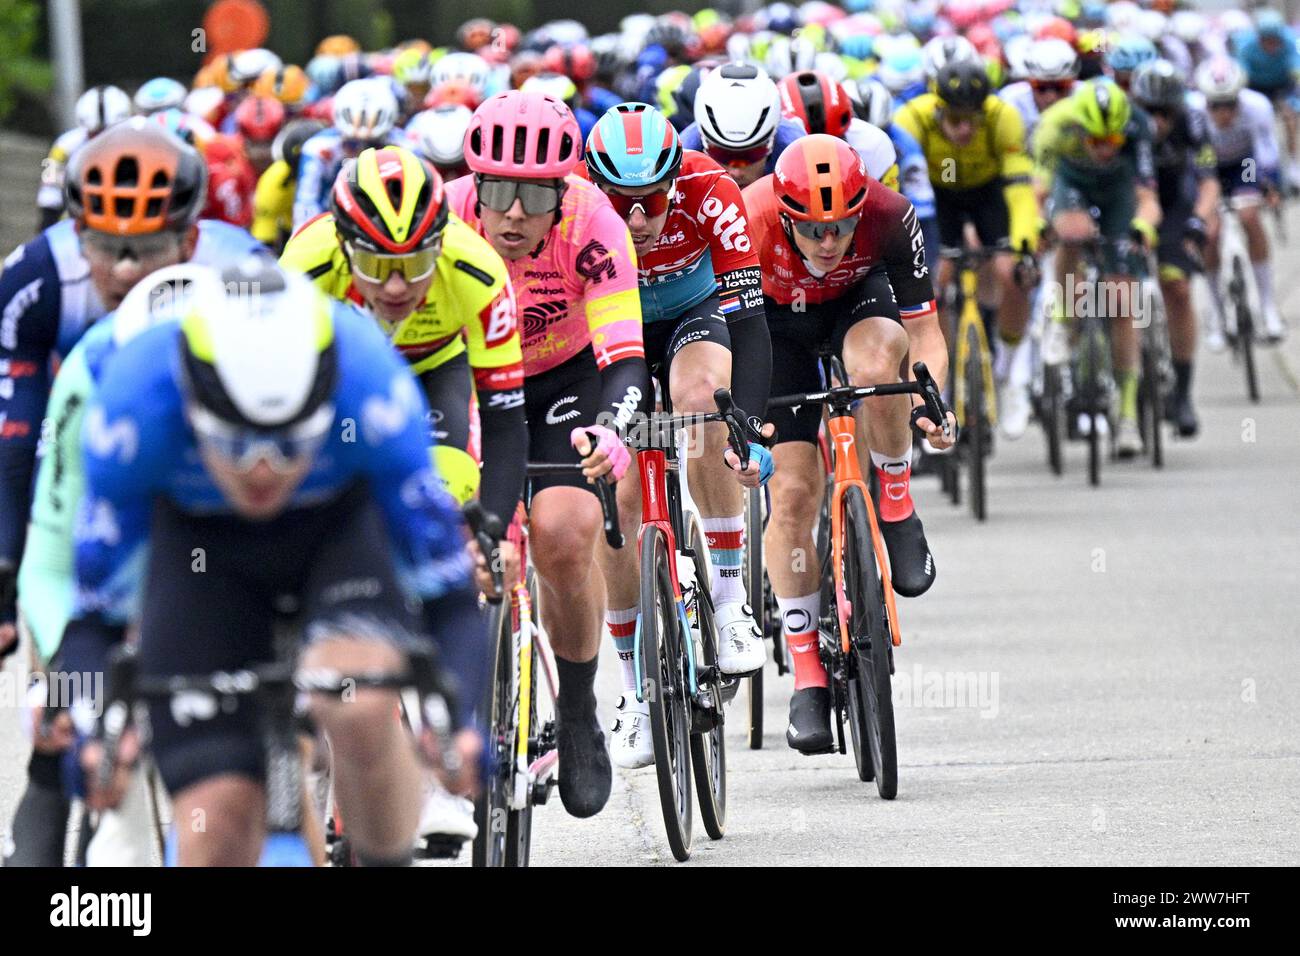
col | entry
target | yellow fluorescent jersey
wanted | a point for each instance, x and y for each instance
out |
(273, 204)
(470, 304)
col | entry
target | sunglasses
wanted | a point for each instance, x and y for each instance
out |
(738, 157)
(1114, 139)
(651, 204)
(537, 198)
(816, 230)
(377, 267)
(243, 447)
(147, 248)
(1060, 88)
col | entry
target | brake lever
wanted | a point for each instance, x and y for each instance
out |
(119, 693)
(488, 532)
(933, 399)
(741, 429)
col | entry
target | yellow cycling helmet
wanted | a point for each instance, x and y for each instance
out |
(1102, 107)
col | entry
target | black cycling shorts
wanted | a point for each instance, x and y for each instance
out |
(985, 207)
(663, 340)
(1171, 253)
(798, 338)
(449, 389)
(1238, 178)
(217, 586)
(557, 401)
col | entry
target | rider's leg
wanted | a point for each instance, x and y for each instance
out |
(220, 821)
(1013, 318)
(1177, 293)
(1257, 247)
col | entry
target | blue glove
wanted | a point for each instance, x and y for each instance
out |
(765, 464)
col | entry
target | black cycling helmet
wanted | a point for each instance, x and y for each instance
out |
(1157, 83)
(963, 85)
(289, 141)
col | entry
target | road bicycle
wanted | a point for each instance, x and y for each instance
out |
(675, 640)
(1237, 292)
(1155, 383)
(974, 393)
(858, 626)
(519, 712)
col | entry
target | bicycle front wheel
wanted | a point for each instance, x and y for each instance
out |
(666, 690)
(978, 429)
(708, 741)
(869, 664)
(753, 571)
(492, 809)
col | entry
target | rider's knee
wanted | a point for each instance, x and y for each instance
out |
(561, 544)
(694, 393)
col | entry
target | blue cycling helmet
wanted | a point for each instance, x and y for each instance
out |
(901, 69)
(1130, 52)
(633, 144)
(859, 6)
(326, 73)
(160, 93)
(859, 46)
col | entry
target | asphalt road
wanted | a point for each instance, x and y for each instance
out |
(1131, 655)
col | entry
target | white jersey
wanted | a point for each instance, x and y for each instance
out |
(55, 166)
(1250, 135)
(873, 145)
(1021, 96)
(1173, 49)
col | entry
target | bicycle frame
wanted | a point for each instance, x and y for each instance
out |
(968, 319)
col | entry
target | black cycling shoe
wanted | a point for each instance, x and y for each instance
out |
(809, 731)
(584, 770)
(1181, 413)
(910, 560)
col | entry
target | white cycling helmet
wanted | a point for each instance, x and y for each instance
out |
(365, 109)
(1051, 59)
(1220, 79)
(941, 51)
(786, 55)
(160, 93)
(833, 65)
(737, 106)
(468, 68)
(439, 134)
(248, 65)
(100, 107)
(1122, 15)
(205, 102)
(1234, 21)
(1152, 24)
(164, 296)
(872, 101)
(1189, 25)
(1016, 52)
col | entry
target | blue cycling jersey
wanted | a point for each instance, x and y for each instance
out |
(787, 131)
(322, 158)
(137, 445)
(46, 302)
(1268, 71)
(913, 173)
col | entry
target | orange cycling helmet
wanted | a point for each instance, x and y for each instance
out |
(136, 178)
(288, 84)
(339, 44)
(820, 178)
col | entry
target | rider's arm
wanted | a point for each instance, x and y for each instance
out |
(1016, 169)
(30, 297)
(1204, 166)
(909, 277)
(309, 196)
(1263, 132)
(274, 191)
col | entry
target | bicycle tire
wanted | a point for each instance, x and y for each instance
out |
(492, 809)
(1151, 411)
(1092, 392)
(979, 432)
(869, 666)
(753, 572)
(665, 687)
(519, 823)
(708, 747)
(1053, 411)
(1244, 339)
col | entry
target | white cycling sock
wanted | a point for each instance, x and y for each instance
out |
(1264, 283)
(726, 537)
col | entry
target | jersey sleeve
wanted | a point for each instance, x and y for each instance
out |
(30, 302)
(1016, 168)
(722, 220)
(272, 203)
(909, 274)
(606, 262)
(487, 299)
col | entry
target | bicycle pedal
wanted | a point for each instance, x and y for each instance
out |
(542, 790)
(439, 846)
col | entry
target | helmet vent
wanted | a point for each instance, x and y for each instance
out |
(127, 172)
(824, 169)
(828, 196)
(543, 141)
(521, 145)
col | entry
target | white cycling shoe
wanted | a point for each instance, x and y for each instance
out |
(740, 645)
(446, 821)
(1056, 343)
(1014, 410)
(631, 746)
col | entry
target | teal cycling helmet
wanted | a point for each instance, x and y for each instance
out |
(1269, 22)
(1130, 52)
(633, 144)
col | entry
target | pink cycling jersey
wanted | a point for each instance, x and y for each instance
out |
(579, 288)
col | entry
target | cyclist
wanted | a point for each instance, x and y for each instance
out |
(439, 136)
(1052, 69)
(844, 266)
(702, 306)
(820, 105)
(1125, 55)
(51, 290)
(160, 93)
(574, 271)
(1189, 195)
(273, 198)
(258, 120)
(738, 122)
(1272, 63)
(1242, 133)
(391, 244)
(975, 146)
(97, 109)
(279, 434)
(365, 114)
(1094, 149)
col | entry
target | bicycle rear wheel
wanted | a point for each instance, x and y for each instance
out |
(1052, 409)
(1151, 406)
(868, 668)
(662, 658)
(1093, 344)
(708, 737)
(1245, 339)
(979, 431)
(492, 811)
(753, 572)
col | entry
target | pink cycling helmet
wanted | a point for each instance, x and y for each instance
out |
(523, 135)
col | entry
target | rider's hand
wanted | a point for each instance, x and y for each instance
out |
(54, 738)
(934, 433)
(483, 574)
(609, 456)
(752, 475)
(92, 754)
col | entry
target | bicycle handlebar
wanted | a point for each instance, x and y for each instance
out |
(924, 385)
(741, 428)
